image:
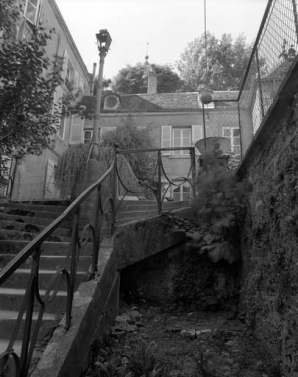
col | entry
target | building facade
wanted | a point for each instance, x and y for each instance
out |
(32, 178)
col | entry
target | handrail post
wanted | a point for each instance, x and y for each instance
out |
(72, 266)
(193, 170)
(159, 194)
(114, 187)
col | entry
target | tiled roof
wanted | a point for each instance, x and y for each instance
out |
(161, 102)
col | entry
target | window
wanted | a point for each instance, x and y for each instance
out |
(76, 131)
(233, 134)
(182, 192)
(61, 132)
(180, 137)
(70, 75)
(88, 136)
(32, 10)
(101, 132)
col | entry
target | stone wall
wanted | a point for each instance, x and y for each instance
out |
(269, 295)
(184, 278)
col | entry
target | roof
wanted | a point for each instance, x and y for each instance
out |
(161, 102)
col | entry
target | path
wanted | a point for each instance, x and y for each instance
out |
(172, 343)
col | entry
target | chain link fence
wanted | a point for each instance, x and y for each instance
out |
(272, 57)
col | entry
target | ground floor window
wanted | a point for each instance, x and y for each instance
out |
(182, 192)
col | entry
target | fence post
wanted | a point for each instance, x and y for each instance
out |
(260, 83)
(295, 18)
(159, 194)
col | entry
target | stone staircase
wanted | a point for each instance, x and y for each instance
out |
(19, 224)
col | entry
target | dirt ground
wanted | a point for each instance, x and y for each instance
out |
(153, 341)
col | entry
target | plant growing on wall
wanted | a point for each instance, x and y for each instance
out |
(68, 168)
(28, 116)
(130, 136)
(219, 201)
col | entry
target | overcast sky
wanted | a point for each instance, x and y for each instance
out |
(167, 25)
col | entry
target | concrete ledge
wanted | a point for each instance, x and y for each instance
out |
(141, 239)
(94, 308)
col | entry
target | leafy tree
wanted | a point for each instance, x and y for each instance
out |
(226, 62)
(133, 79)
(28, 116)
(130, 136)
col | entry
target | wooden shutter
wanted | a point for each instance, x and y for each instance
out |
(166, 135)
(77, 128)
(197, 134)
(64, 65)
(76, 82)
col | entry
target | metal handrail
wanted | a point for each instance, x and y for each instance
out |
(33, 249)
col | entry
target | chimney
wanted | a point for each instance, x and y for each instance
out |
(152, 81)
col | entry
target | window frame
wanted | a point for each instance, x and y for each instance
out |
(231, 138)
(37, 11)
(73, 116)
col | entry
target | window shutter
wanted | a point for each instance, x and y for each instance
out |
(166, 134)
(77, 127)
(197, 134)
(64, 65)
(76, 82)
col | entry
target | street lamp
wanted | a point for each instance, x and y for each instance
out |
(104, 41)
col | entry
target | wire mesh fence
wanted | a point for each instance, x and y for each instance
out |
(272, 57)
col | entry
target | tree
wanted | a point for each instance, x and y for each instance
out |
(28, 116)
(226, 62)
(133, 79)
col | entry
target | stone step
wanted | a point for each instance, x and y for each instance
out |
(49, 262)
(8, 320)
(6, 234)
(31, 213)
(43, 221)
(32, 228)
(11, 299)
(21, 277)
(34, 206)
(14, 246)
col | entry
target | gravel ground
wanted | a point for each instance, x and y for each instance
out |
(152, 341)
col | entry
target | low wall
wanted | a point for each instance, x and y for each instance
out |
(269, 295)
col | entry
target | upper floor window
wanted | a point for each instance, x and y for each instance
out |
(172, 137)
(32, 10)
(233, 134)
(70, 73)
(111, 102)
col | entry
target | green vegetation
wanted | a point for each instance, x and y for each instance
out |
(226, 62)
(133, 79)
(27, 117)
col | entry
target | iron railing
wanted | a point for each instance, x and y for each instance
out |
(159, 180)
(105, 209)
(68, 273)
(271, 59)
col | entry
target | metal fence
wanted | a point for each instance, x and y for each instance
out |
(273, 55)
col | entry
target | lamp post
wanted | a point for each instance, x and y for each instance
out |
(205, 96)
(104, 41)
